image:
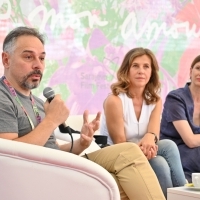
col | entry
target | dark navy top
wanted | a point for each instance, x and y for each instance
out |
(179, 106)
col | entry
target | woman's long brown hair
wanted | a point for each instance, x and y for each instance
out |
(122, 85)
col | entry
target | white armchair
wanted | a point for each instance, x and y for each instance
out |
(36, 173)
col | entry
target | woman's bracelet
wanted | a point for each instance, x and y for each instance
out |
(156, 137)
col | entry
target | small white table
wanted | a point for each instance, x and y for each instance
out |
(182, 193)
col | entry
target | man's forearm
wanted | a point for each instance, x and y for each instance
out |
(77, 148)
(39, 135)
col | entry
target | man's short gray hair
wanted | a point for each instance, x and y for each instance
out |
(10, 39)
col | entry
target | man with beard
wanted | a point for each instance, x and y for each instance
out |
(26, 118)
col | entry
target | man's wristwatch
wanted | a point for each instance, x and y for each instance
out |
(156, 138)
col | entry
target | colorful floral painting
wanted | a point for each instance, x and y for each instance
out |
(86, 41)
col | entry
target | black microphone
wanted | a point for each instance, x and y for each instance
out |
(50, 94)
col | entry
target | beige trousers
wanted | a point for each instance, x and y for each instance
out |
(131, 170)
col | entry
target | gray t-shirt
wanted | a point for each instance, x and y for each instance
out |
(14, 120)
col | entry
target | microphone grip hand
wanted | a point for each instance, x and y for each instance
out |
(58, 108)
(57, 111)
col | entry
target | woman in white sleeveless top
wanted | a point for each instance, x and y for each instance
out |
(132, 114)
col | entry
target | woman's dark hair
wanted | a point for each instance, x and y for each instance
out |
(196, 60)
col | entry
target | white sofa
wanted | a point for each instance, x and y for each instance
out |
(36, 173)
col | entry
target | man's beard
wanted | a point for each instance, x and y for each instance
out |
(31, 85)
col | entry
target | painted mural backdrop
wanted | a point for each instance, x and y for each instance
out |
(87, 40)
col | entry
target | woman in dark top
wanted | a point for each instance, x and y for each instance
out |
(181, 120)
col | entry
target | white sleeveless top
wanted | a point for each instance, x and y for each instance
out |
(134, 129)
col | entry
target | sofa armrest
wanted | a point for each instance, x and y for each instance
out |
(34, 172)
